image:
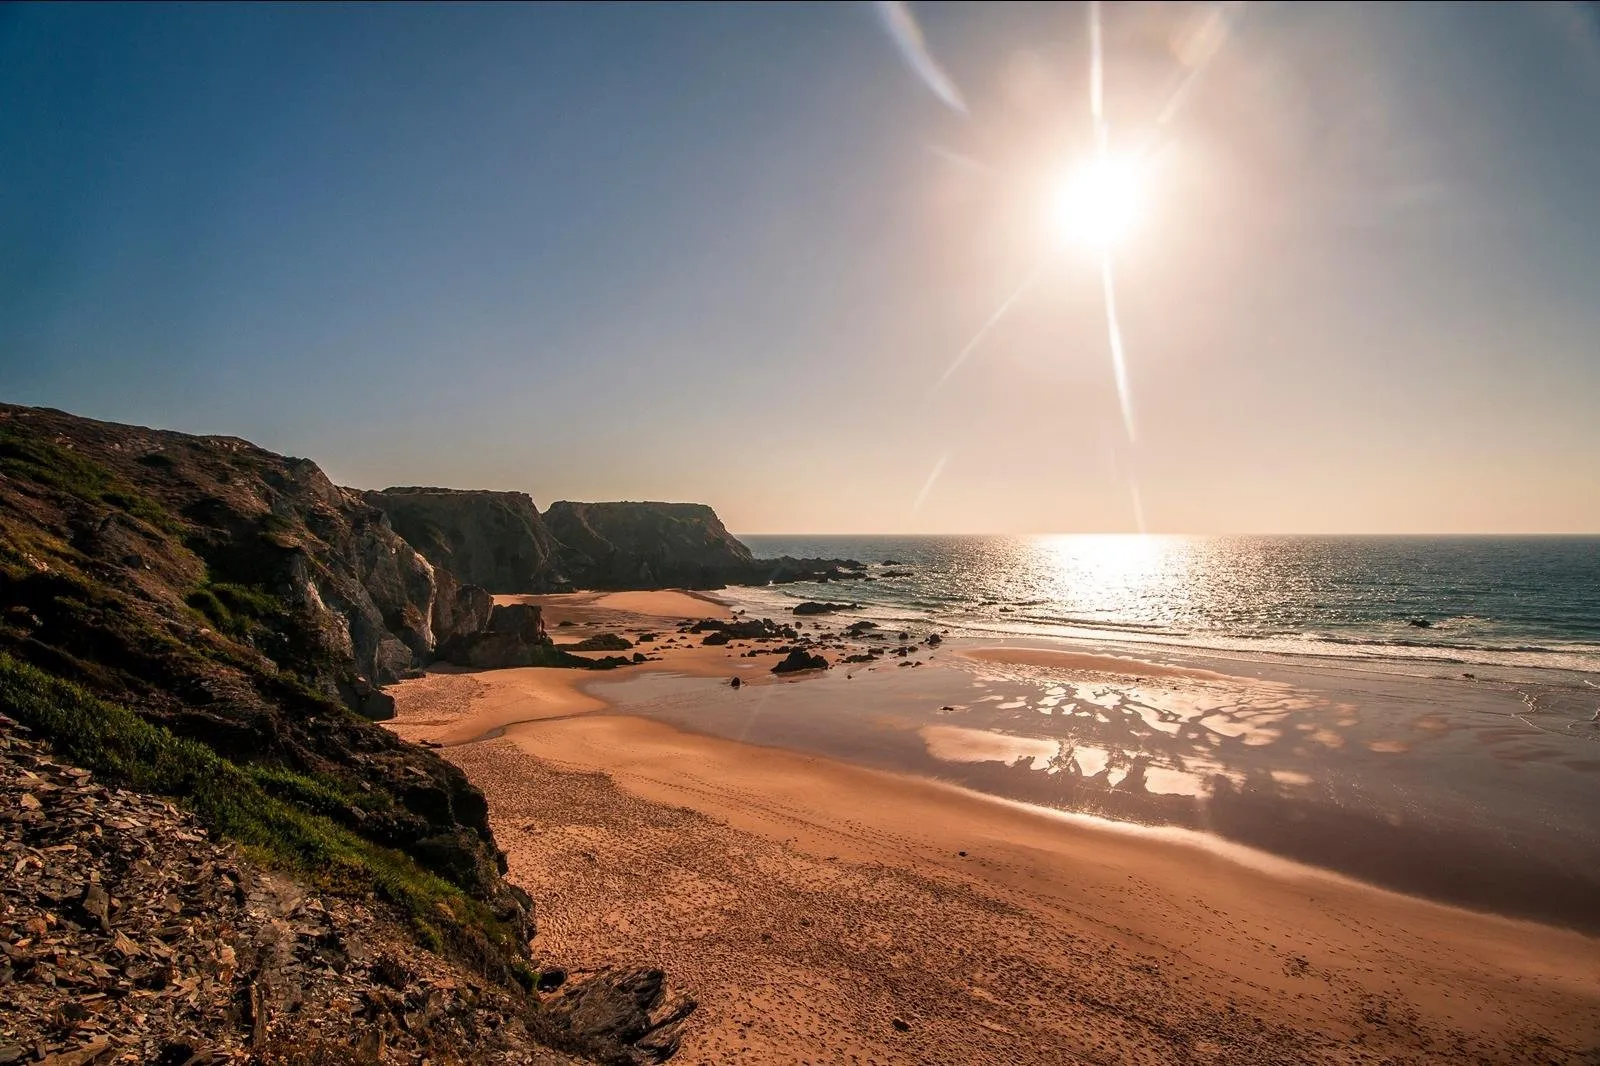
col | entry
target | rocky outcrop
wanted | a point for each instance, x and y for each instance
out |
(669, 545)
(632, 1010)
(743, 629)
(236, 598)
(157, 943)
(786, 570)
(826, 607)
(645, 545)
(601, 642)
(799, 659)
(515, 636)
(195, 618)
(497, 540)
(214, 529)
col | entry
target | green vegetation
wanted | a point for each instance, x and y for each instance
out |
(27, 457)
(237, 610)
(317, 793)
(279, 816)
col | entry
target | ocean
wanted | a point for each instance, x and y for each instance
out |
(1527, 602)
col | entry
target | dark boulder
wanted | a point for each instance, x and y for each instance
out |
(799, 659)
(825, 607)
(628, 1014)
(601, 642)
(515, 637)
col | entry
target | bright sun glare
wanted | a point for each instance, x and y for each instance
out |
(1101, 203)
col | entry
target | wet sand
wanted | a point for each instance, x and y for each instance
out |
(809, 903)
(1082, 662)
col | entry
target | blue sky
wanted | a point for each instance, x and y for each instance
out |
(724, 253)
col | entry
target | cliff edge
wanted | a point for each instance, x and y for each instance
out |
(497, 540)
(645, 545)
(198, 619)
(228, 597)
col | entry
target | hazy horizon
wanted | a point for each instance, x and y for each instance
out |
(737, 255)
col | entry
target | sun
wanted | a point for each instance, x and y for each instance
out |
(1100, 204)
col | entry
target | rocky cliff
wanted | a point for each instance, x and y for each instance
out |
(499, 541)
(494, 539)
(197, 619)
(645, 545)
(159, 590)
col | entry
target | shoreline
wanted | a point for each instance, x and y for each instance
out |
(643, 841)
(1357, 649)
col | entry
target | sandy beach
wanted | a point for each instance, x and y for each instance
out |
(824, 912)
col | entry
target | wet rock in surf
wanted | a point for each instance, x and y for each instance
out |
(824, 607)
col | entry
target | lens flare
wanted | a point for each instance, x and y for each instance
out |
(994, 320)
(927, 486)
(907, 36)
(1119, 364)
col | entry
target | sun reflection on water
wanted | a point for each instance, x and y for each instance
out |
(1123, 570)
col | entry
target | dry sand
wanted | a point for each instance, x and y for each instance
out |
(810, 904)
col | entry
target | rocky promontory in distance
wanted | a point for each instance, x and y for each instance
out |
(647, 545)
(499, 540)
(494, 539)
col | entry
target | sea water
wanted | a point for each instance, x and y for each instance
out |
(1475, 600)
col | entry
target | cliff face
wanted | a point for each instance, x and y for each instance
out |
(646, 545)
(228, 530)
(493, 539)
(236, 598)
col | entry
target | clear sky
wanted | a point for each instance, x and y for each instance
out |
(726, 254)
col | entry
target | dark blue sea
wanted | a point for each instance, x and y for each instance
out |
(1503, 601)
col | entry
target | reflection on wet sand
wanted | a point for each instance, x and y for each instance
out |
(1424, 785)
(957, 744)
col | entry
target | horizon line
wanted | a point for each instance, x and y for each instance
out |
(1136, 533)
